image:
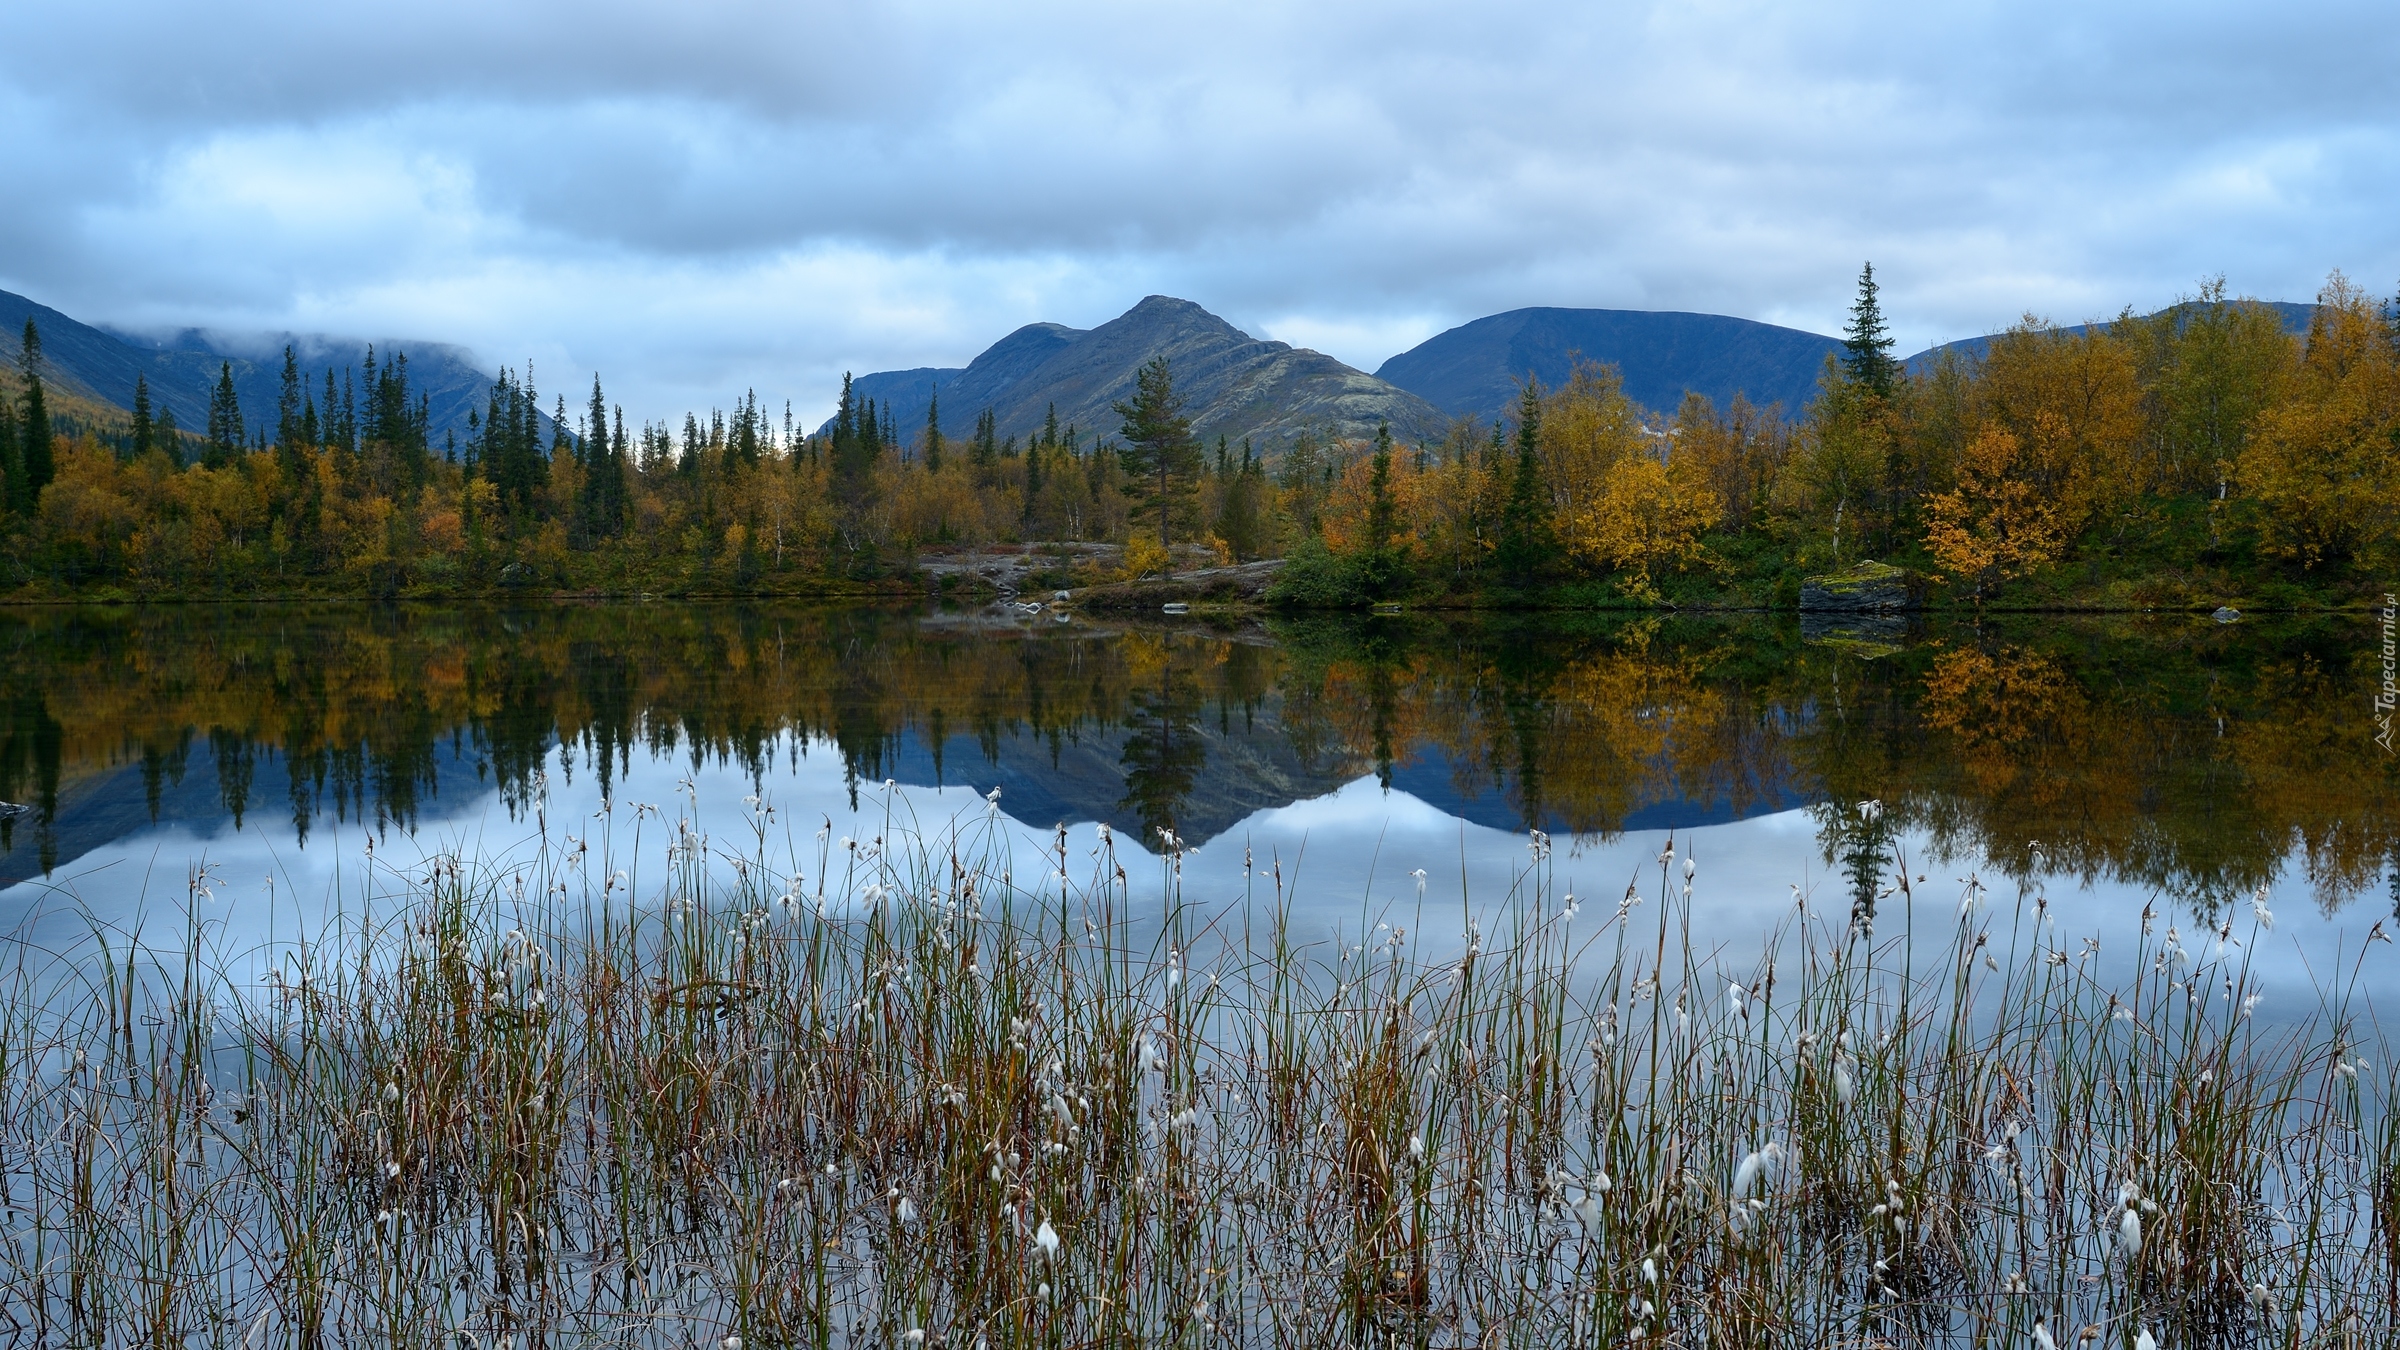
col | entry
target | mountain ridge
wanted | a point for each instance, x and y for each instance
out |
(1476, 368)
(1234, 385)
(101, 364)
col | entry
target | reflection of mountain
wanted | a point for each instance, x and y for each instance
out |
(1245, 766)
(205, 794)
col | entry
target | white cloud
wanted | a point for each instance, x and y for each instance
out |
(702, 198)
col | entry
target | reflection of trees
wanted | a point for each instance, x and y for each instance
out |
(31, 741)
(2196, 764)
(1164, 749)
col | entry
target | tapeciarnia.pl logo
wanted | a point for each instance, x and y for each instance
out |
(2388, 696)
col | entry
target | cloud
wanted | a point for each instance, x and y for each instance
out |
(697, 199)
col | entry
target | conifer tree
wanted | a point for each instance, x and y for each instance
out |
(145, 429)
(1158, 437)
(986, 449)
(12, 467)
(1867, 344)
(225, 436)
(170, 436)
(1050, 428)
(287, 402)
(1525, 519)
(290, 431)
(1033, 479)
(933, 432)
(35, 467)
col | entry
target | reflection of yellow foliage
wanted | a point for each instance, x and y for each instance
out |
(1997, 524)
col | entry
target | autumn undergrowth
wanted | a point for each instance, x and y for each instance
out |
(956, 1086)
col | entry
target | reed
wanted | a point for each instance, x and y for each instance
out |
(656, 1089)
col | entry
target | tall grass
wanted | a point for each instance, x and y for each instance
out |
(827, 1092)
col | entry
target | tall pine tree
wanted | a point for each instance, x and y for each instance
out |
(145, 427)
(225, 434)
(35, 465)
(1524, 544)
(1158, 436)
(1867, 344)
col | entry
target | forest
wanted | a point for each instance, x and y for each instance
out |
(2198, 456)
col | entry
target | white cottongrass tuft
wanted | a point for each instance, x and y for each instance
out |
(2145, 1341)
(1754, 1168)
(2129, 1232)
(2041, 1335)
(1046, 1238)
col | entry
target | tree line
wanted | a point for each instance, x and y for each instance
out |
(2145, 460)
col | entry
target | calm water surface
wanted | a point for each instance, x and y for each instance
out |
(2110, 764)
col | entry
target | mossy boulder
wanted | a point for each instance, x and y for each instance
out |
(1863, 586)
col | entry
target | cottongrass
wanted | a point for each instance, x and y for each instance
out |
(504, 1104)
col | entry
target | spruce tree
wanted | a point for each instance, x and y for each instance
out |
(287, 402)
(933, 432)
(12, 467)
(1525, 519)
(291, 431)
(35, 467)
(145, 429)
(170, 437)
(986, 451)
(1033, 479)
(1866, 344)
(1158, 437)
(1380, 567)
(224, 421)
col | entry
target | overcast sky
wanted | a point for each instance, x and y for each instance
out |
(696, 198)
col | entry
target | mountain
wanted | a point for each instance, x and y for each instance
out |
(1233, 384)
(1476, 368)
(101, 364)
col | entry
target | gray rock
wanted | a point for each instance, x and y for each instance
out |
(2226, 614)
(516, 574)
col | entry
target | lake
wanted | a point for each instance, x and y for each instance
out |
(1366, 766)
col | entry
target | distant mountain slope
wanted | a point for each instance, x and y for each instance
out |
(1477, 367)
(1233, 384)
(182, 368)
(2294, 314)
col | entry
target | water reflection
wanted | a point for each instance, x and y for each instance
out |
(2189, 759)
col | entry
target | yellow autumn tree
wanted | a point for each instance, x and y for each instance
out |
(1998, 522)
(2074, 403)
(2322, 467)
(1646, 516)
(1588, 427)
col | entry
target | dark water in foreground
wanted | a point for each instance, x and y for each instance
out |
(2120, 762)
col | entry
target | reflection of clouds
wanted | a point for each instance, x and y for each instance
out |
(1348, 859)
